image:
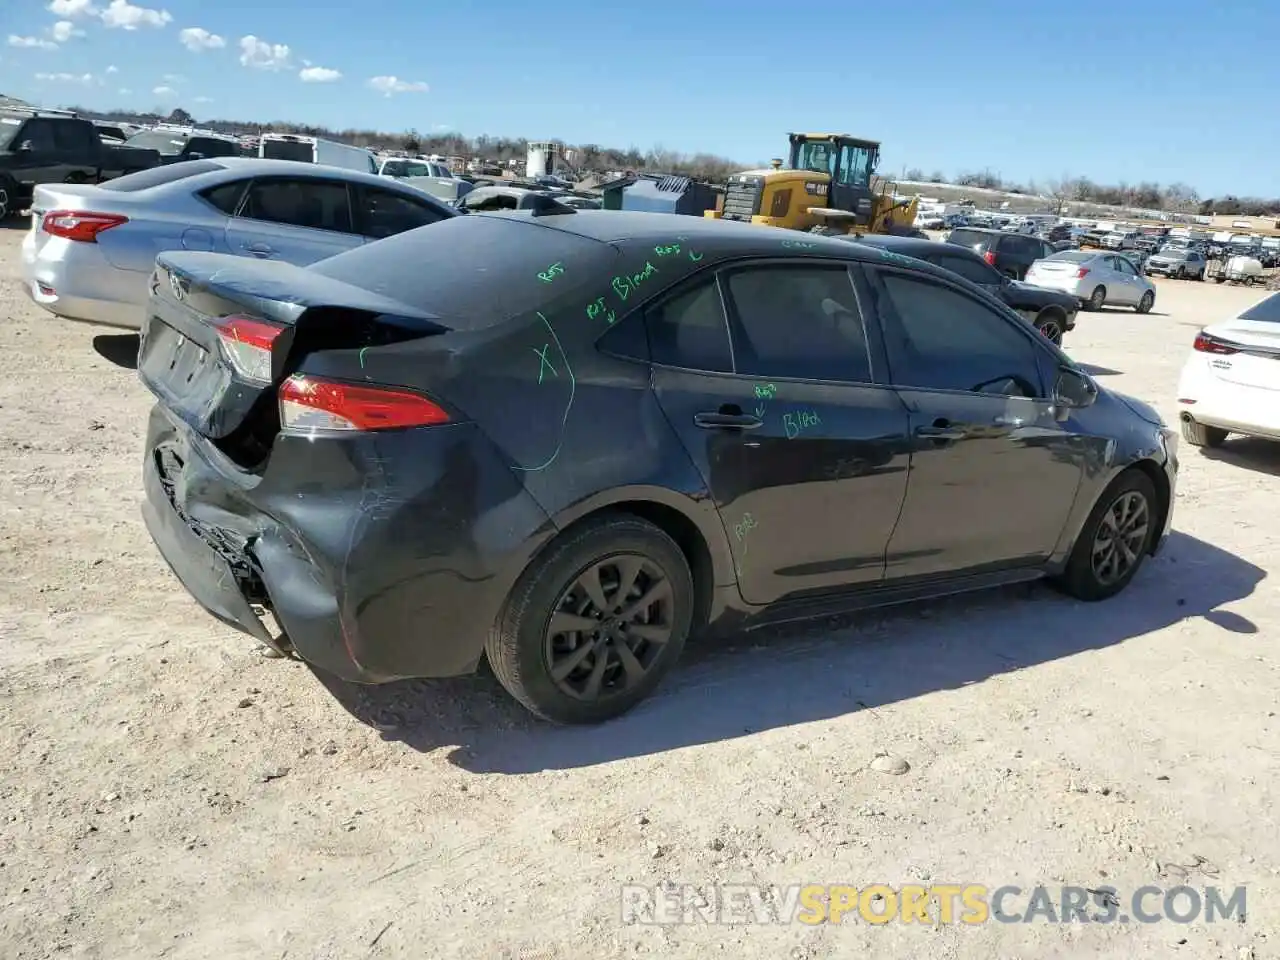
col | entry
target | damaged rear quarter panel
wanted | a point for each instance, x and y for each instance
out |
(398, 546)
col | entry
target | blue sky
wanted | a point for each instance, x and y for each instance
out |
(1163, 90)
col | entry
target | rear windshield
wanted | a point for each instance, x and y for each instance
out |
(969, 238)
(1267, 311)
(1073, 256)
(166, 142)
(479, 270)
(158, 176)
(288, 150)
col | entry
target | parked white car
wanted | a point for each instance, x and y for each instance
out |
(1231, 381)
(1095, 278)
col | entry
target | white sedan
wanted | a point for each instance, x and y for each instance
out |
(1231, 381)
(1095, 278)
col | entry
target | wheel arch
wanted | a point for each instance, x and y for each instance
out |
(1160, 480)
(694, 524)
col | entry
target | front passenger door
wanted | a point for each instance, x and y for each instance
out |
(299, 221)
(993, 474)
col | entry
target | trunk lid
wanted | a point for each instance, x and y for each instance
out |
(214, 371)
(1257, 364)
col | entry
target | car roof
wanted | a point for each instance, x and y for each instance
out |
(716, 239)
(260, 167)
(913, 246)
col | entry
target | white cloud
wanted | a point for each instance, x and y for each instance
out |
(34, 42)
(124, 91)
(165, 92)
(73, 8)
(64, 30)
(112, 69)
(390, 85)
(174, 78)
(262, 55)
(85, 78)
(319, 75)
(204, 100)
(123, 14)
(196, 39)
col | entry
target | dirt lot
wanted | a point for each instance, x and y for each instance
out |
(166, 792)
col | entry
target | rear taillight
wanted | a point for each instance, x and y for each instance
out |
(248, 343)
(82, 227)
(313, 405)
(990, 257)
(1082, 273)
(1207, 344)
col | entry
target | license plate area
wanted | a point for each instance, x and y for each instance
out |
(173, 360)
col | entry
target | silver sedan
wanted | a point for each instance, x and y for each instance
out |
(1096, 278)
(91, 249)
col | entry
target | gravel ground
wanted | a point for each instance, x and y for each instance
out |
(166, 792)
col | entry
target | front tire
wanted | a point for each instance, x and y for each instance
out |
(7, 199)
(595, 623)
(1146, 303)
(1114, 541)
(1051, 326)
(1199, 435)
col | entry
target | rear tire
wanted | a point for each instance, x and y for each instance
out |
(1096, 299)
(1146, 303)
(1114, 541)
(600, 662)
(1199, 435)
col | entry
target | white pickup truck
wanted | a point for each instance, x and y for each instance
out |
(429, 176)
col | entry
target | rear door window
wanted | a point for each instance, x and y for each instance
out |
(225, 197)
(690, 330)
(798, 322)
(315, 204)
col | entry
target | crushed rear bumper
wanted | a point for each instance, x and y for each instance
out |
(381, 556)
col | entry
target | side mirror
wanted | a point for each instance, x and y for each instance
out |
(1072, 391)
(26, 146)
(195, 156)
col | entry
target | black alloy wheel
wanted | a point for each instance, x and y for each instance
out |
(1121, 537)
(1115, 539)
(609, 627)
(595, 622)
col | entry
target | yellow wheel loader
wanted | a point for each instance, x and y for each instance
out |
(825, 188)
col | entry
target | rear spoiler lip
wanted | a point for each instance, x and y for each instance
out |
(284, 292)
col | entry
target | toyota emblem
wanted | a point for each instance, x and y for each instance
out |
(176, 286)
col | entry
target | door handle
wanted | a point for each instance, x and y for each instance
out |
(941, 430)
(259, 249)
(727, 421)
(1009, 421)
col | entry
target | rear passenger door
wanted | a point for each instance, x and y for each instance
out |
(297, 220)
(768, 377)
